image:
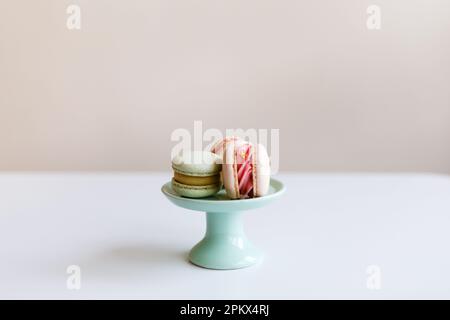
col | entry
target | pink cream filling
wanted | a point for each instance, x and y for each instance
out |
(245, 170)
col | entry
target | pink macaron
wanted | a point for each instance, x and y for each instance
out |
(245, 168)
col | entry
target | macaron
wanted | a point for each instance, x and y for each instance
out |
(245, 168)
(196, 174)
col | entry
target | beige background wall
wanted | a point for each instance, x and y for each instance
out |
(107, 97)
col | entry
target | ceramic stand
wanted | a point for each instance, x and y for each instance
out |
(225, 245)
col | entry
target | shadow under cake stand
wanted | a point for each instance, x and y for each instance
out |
(225, 245)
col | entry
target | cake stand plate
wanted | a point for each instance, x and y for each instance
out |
(224, 245)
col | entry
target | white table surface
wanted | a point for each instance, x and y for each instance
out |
(131, 242)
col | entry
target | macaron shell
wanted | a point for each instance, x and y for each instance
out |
(195, 191)
(229, 170)
(219, 147)
(261, 171)
(189, 165)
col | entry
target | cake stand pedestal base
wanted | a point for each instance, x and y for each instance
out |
(225, 245)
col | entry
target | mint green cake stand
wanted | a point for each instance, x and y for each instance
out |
(224, 245)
